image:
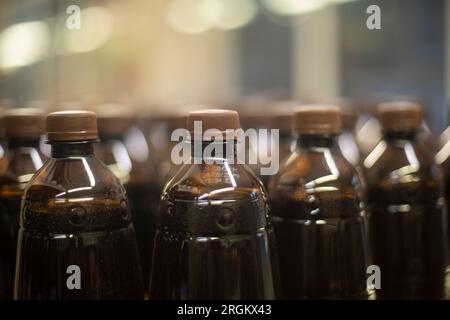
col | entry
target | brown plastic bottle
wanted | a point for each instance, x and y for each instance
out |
(214, 238)
(135, 177)
(443, 159)
(76, 237)
(407, 209)
(23, 130)
(162, 128)
(347, 140)
(286, 143)
(318, 219)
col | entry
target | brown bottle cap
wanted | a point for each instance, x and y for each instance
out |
(400, 115)
(24, 123)
(219, 119)
(74, 125)
(317, 119)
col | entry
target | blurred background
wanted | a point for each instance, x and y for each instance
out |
(161, 55)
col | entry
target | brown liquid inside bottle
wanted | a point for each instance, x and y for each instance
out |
(134, 174)
(407, 211)
(22, 160)
(443, 158)
(214, 239)
(317, 214)
(75, 214)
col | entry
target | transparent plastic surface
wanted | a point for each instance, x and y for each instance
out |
(408, 218)
(75, 213)
(214, 238)
(143, 194)
(320, 223)
(21, 162)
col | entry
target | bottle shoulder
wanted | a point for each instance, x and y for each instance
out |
(74, 194)
(19, 166)
(75, 177)
(24, 160)
(217, 181)
(315, 169)
(400, 163)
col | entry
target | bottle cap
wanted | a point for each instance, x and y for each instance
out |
(74, 125)
(24, 123)
(400, 115)
(113, 122)
(224, 121)
(317, 119)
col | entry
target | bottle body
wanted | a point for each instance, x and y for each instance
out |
(320, 224)
(407, 218)
(214, 238)
(22, 161)
(76, 237)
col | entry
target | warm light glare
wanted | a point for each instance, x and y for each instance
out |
(193, 16)
(96, 29)
(23, 44)
(236, 13)
(343, 1)
(294, 7)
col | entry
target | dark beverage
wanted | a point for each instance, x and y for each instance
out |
(317, 213)
(135, 177)
(23, 130)
(76, 237)
(214, 239)
(407, 209)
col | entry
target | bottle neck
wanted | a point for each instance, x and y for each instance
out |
(201, 150)
(72, 149)
(393, 136)
(306, 141)
(14, 143)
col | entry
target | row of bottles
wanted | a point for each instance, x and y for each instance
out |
(311, 231)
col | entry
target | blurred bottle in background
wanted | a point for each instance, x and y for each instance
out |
(269, 116)
(317, 213)
(23, 130)
(347, 140)
(214, 237)
(443, 159)
(76, 236)
(161, 128)
(115, 127)
(3, 159)
(407, 209)
(280, 117)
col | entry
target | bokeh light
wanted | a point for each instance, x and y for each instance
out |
(96, 29)
(294, 7)
(236, 13)
(193, 16)
(23, 44)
